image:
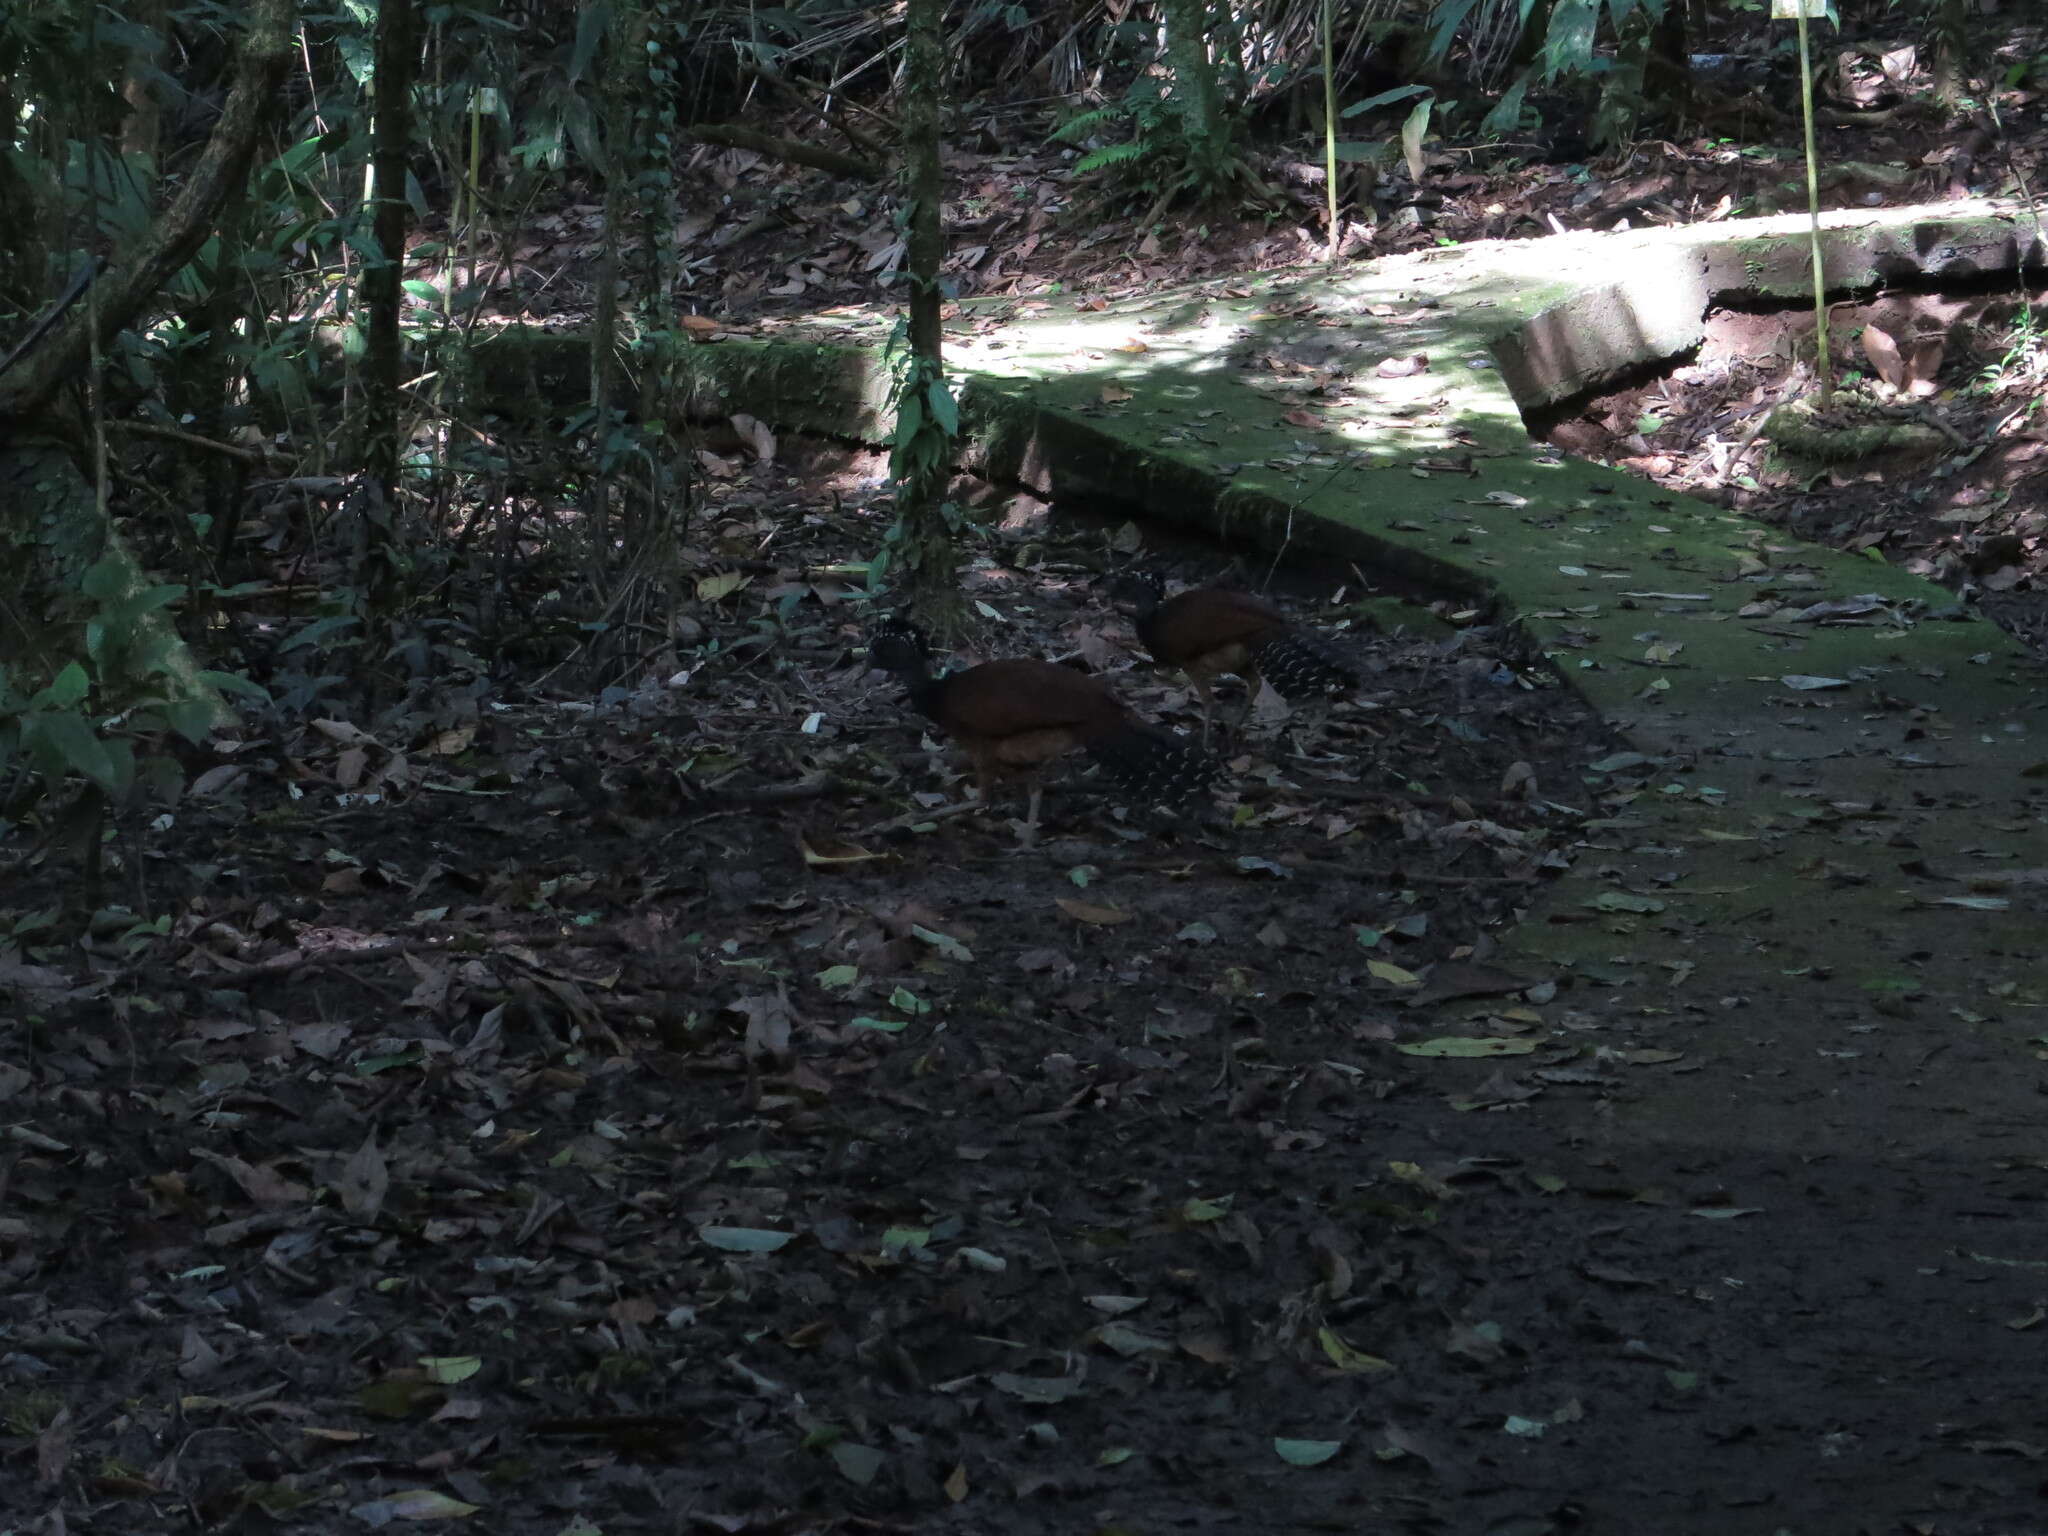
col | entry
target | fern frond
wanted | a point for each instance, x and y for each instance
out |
(1112, 154)
(1082, 124)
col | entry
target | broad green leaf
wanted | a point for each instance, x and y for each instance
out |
(80, 751)
(103, 580)
(230, 682)
(945, 410)
(317, 632)
(1384, 99)
(745, 1239)
(190, 718)
(67, 688)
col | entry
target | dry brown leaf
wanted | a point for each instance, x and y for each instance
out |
(1089, 912)
(364, 1180)
(827, 854)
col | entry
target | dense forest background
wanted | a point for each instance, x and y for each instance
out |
(211, 325)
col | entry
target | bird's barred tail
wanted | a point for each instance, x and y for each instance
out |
(1301, 664)
(1155, 763)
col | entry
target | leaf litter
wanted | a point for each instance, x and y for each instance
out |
(734, 1135)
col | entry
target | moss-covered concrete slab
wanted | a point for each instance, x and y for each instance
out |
(1799, 702)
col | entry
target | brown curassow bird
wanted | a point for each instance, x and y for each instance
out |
(1207, 631)
(1015, 715)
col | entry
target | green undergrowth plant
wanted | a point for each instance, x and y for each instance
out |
(918, 553)
(1414, 129)
(1612, 49)
(1150, 138)
(102, 720)
(1173, 150)
(2024, 363)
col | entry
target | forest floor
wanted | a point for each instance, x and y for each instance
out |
(664, 1115)
(652, 1110)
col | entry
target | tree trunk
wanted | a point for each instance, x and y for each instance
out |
(925, 420)
(1949, 31)
(383, 293)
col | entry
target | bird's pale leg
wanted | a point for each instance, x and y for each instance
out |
(1028, 834)
(1208, 705)
(1252, 684)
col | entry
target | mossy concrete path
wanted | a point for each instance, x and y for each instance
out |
(1840, 841)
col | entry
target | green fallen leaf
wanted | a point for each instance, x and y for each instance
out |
(412, 1504)
(1806, 683)
(1131, 1342)
(1625, 901)
(898, 1241)
(857, 1463)
(945, 944)
(1345, 1358)
(713, 589)
(370, 1066)
(1306, 1453)
(1467, 1045)
(744, 1239)
(1392, 974)
(1036, 1389)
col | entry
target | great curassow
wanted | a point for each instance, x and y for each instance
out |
(1207, 631)
(1015, 715)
